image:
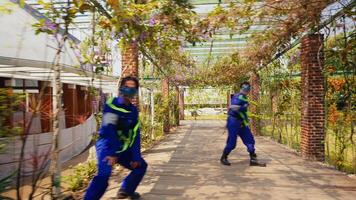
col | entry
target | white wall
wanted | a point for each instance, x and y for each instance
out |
(18, 39)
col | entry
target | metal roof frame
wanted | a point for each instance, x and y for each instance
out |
(39, 70)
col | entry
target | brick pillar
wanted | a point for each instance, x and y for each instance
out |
(89, 103)
(165, 98)
(70, 101)
(46, 107)
(313, 113)
(255, 95)
(176, 107)
(130, 63)
(82, 102)
(181, 103)
(130, 60)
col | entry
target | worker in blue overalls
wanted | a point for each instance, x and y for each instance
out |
(237, 125)
(119, 142)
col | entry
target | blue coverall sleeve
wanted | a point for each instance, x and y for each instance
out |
(108, 133)
(136, 147)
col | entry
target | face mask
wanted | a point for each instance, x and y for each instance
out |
(128, 91)
(246, 88)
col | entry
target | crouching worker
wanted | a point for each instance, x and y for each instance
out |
(119, 142)
(237, 125)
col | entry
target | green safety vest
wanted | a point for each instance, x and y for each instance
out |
(243, 117)
(127, 140)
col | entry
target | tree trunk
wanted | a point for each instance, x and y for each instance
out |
(57, 97)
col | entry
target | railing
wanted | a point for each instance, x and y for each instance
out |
(37, 149)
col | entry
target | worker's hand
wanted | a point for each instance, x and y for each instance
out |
(135, 164)
(112, 160)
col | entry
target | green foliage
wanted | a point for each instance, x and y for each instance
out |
(173, 108)
(281, 101)
(81, 176)
(6, 182)
(161, 106)
(149, 133)
(165, 107)
(225, 71)
(340, 100)
(96, 50)
(9, 103)
(58, 17)
(279, 106)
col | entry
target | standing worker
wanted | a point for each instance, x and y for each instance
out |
(237, 125)
(119, 142)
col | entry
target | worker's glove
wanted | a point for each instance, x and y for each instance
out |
(111, 160)
(135, 164)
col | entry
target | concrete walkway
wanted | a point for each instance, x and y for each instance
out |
(186, 166)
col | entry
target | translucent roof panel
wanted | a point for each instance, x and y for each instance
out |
(223, 42)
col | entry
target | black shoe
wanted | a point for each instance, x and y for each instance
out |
(121, 194)
(255, 162)
(253, 156)
(223, 160)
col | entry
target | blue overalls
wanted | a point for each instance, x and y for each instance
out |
(120, 137)
(237, 124)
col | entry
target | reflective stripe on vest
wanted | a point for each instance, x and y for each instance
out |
(112, 106)
(135, 133)
(128, 141)
(243, 119)
(242, 98)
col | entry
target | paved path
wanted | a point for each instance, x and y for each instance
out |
(185, 166)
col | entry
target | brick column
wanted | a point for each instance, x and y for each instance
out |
(82, 101)
(88, 102)
(181, 103)
(130, 63)
(130, 60)
(165, 98)
(176, 107)
(46, 107)
(255, 96)
(313, 114)
(70, 101)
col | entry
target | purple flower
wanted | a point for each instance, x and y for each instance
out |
(142, 36)
(205, 36)
(152, 21)
(77, 53)
(121, 34)
(293, 60)
(298, 53)
(159, 42)
(294, 57)
(50, 26)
